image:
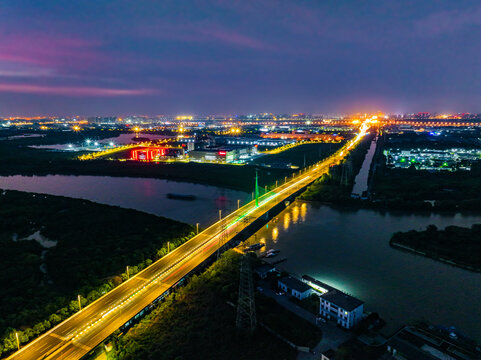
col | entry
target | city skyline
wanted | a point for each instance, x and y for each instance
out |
(229, 57)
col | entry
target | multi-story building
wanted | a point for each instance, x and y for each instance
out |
(335, 304)
(344, 308)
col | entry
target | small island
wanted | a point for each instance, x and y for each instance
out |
(454, 245)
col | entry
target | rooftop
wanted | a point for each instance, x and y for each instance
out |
(318, 285)
(293, 283)
(344, 301)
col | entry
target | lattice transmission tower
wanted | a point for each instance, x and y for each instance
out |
(246, 308)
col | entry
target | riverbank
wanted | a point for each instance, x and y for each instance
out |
(336, 185)
(17, 158)
(349, 249)
(50, 253)
(456, 246)
(197, 322)
(231, 177)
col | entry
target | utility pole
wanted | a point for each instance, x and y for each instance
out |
(197, 225)
(168, 247)
(128, 276)
(257, 190)
(79, 304)
(238, 204)
(246, 308)
(220, 215)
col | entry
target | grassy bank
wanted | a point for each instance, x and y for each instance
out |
(336, 185)
(454, 245)
(301, 156)
(196, 322)
(18, 159)
(407, 189)
(53, 248)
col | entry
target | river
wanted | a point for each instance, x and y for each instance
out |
(149, 195)
(361, 181)
(350, 250)
(344, 248)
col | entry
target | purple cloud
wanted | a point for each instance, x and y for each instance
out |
(72, 90)
(204, 33)
(45, 50)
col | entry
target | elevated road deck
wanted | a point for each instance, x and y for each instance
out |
(77, 335)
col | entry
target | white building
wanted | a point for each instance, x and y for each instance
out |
(295, 287)
(346, 309)
(334, 304)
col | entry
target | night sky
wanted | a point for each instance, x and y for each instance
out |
(122, 57)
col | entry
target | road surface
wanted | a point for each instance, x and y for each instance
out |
(77, 335)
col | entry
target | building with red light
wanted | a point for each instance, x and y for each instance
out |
(156, 153)
(225, 155)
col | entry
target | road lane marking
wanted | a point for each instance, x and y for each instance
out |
(188, 252)
(63, 338)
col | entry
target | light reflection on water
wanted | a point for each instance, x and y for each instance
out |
(350, 251)
(295, 214)
(287, 220)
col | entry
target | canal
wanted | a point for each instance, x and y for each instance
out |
(361, 181)
(348, 249)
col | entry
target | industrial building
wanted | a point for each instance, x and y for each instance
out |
(253, 141)
(157, 153)
(222, 154)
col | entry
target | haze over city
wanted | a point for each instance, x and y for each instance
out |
(237, 179)
(226, 57)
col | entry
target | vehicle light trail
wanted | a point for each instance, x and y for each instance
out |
(77, 335)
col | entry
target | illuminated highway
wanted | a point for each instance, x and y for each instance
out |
(80, 333)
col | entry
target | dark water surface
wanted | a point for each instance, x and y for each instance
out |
(347, 249)
(149, 195)
(350, 250)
